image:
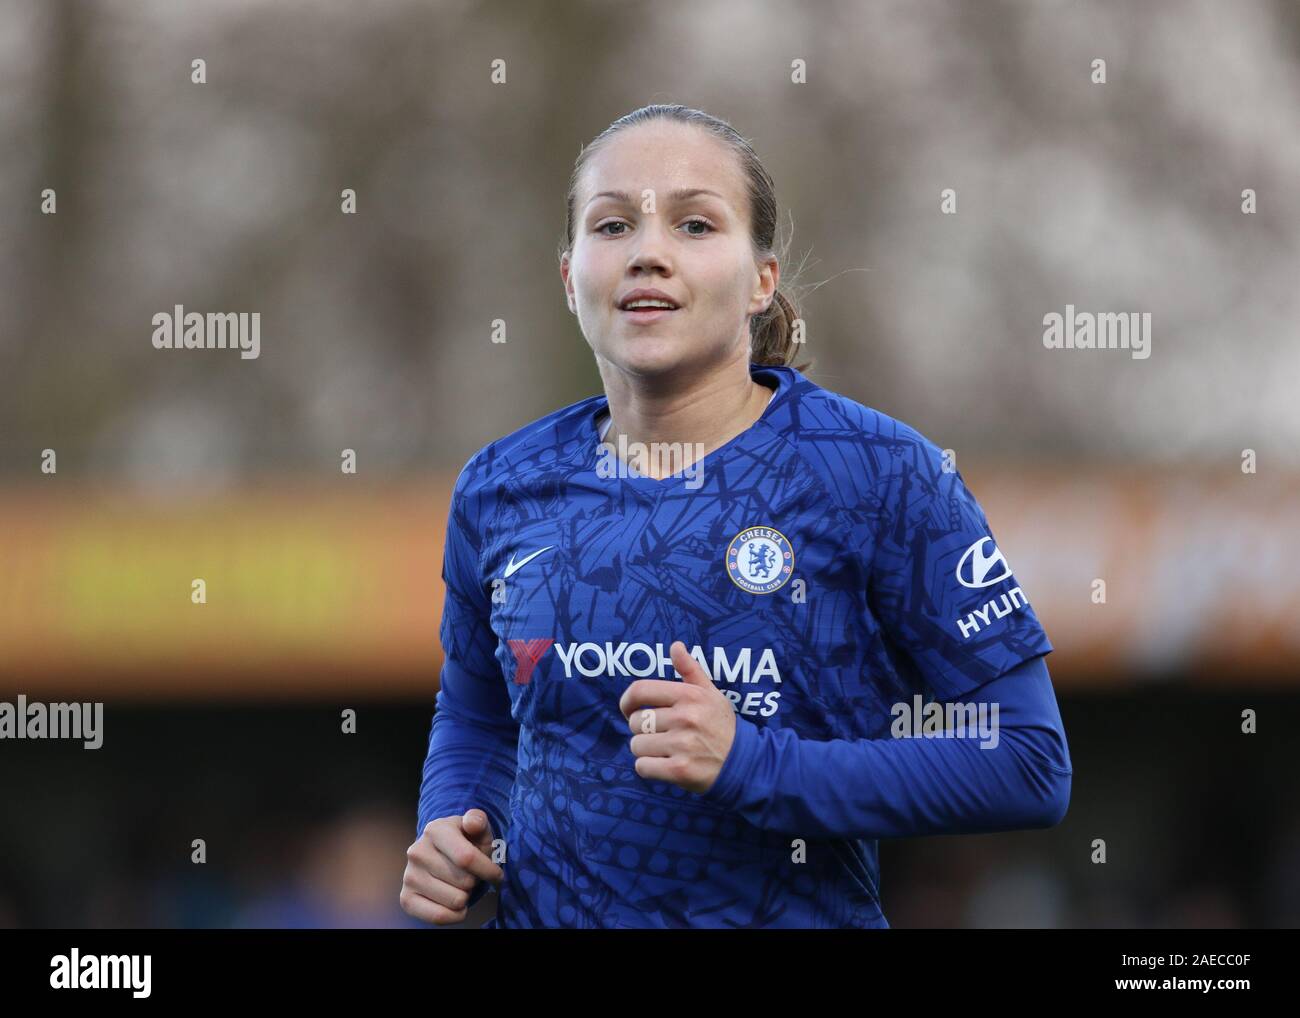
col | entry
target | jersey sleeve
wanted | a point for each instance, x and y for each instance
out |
(949, 607)
(1015, 773)
(473, 739)
(954, 619)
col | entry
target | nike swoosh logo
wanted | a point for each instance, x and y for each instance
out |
(513, 567)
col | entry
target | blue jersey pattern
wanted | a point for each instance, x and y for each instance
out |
(823, 566)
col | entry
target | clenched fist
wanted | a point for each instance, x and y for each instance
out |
(445, 864)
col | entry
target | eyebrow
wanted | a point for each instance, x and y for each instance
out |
(681, 194)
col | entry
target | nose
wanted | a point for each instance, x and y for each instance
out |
(651, 250)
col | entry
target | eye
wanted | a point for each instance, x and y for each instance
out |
(613, 222)
(699, 222)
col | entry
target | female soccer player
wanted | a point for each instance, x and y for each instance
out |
(699, 697)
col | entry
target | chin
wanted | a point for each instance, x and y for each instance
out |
(649, 355)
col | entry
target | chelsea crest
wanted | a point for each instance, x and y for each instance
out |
(760, 560)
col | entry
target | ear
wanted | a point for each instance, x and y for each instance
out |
(568, 285)
(769, 277)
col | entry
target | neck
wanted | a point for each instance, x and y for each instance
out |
(698, 413)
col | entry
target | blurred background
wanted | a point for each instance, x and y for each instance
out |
(226, 722)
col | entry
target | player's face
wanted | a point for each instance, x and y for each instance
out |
(695, 248)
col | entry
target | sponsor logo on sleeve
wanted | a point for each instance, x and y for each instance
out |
(982, 567)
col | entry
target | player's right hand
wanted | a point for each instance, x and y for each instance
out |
(445, 864)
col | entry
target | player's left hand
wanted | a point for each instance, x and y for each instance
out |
(684, 729)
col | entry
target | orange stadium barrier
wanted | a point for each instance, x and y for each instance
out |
(316, 593)
(309, 592)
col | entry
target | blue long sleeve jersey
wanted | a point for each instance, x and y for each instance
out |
(840, 584)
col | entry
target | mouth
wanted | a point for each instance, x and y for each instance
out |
(646, 305)
(644, 316)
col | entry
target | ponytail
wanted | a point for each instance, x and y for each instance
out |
(772, 335)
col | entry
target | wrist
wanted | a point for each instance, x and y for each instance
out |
(733, 776)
